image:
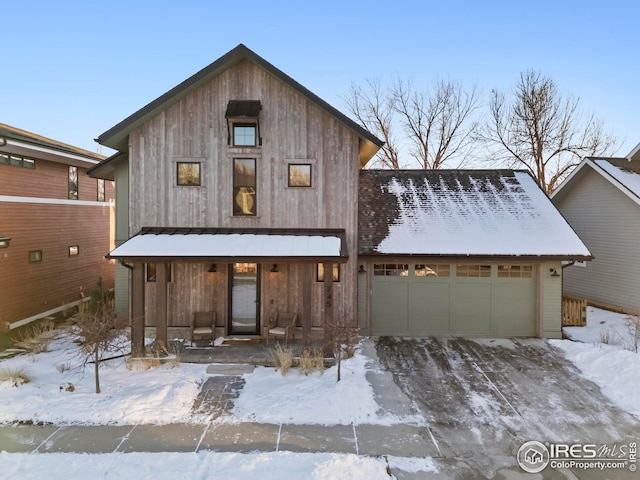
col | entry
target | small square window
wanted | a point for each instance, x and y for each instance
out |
(189, 174)
(299, 175)
(244, 134)
(35, 256)
(74, 250)
(320, 272)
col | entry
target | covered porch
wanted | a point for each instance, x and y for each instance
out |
(242, 277)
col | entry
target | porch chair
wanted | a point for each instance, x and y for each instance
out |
(282, 325)
(203, 324)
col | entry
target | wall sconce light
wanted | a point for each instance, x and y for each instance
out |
(274, 269)
(554, 272)
(4, 242)
(213, 268)
(361, 269)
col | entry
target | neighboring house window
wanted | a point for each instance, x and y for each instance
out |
(189, 174)
(151, 272)
(299, 175)
(473, 270)
(391, 269)
(35, 256)
(74, 250)
(432, 270)
(320, 272)
(17, 161)
(244, 187)
(73, 182)
(244, 134)
(515, 271)
(101, 191)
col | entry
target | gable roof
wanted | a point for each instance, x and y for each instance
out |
(493, 213)
(117, 136)
(22, 142)
(622, 173)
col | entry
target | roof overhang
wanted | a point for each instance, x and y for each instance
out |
(462, 257)
(107, 168)
(41, 152)
(237, 245)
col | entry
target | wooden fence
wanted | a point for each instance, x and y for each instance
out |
(574, 311)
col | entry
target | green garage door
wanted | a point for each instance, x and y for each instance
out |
(448, 299)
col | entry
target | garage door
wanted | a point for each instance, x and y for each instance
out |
(418, 299)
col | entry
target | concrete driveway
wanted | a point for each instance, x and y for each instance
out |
(483, 398)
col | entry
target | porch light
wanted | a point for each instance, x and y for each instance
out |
(274, 269)
(554, 272)
(4, 242)
(361, 269)
(213, 268)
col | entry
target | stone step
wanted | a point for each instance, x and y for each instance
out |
(229, 369)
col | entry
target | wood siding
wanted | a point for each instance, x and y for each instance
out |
(608, 222)
(293, 130)
(551, 300)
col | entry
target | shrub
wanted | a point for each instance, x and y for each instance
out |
(15, 376)
(283, 358)
(36, 337)
(609, 337)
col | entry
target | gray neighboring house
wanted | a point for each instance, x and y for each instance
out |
(601, 201)
(461, 252)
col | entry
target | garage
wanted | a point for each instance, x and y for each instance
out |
(419, 299)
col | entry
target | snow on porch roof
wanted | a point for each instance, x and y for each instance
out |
(501, 213)
(217, 243)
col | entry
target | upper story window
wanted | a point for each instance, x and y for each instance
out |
(188, 174)
(244, 134)
(73, 182)
(299, 174)
(243, 123)
(17, 160)
(244, 187)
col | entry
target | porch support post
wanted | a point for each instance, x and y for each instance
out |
(307, 280)
(329, 331)
(161, 308)
(137, 310)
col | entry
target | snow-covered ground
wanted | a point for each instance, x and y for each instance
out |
(165, 394)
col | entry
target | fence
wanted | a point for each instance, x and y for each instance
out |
(574, 311)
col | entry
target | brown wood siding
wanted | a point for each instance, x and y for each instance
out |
(48, 180)
(31, 288)
(292, 129)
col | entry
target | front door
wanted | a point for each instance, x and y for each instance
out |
(244, 296)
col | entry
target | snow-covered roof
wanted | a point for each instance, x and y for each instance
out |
(228, 243)
(625, 173)
(461, 213)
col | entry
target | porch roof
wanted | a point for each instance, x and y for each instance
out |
(220, 244)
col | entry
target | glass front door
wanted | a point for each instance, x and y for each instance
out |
(244, 305)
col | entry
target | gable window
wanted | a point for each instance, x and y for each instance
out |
(73, 182)
(431, 270)
(515, 271)
(244, 134)
(243, 123)
(101, 197)
(299, 174)
(244, 187)
(320, 272)
(188, 174)
(391, 269)
(473, 271)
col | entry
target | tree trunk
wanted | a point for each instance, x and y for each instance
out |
(96, 363)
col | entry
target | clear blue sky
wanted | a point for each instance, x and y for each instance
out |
(73, 69)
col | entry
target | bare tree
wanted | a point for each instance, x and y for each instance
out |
(438, 122)
(375, 110)
(542, 131)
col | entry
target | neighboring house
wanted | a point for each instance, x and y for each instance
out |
(465, 252)
(601, 201)
(239, 190)
(235, 192)
(55, 226)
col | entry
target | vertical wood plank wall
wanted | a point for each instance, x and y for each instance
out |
(292, 130)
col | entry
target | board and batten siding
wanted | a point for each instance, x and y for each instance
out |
(608, 222)
(550, 299)
(293, 130)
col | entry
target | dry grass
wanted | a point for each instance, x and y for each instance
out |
(36, 337)
(15, 376)
(283, 357)
(609, 337)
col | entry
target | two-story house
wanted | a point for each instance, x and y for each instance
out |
(55, 226)
(237, 191)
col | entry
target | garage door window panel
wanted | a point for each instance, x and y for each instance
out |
(391, 270)
(432, 270)
(473, 271)
(515, 271)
